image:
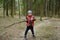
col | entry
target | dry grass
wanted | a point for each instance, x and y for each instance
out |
(47, 33)
(15, 31)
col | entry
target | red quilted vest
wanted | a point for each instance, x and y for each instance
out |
(28, 20)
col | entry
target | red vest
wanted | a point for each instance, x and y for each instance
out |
(28, 20)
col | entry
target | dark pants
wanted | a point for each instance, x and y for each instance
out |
(29, 28)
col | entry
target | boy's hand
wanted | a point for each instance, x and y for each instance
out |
(32, 19)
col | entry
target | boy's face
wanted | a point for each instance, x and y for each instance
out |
(30, 14)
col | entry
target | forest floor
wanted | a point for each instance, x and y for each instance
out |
(44, 30)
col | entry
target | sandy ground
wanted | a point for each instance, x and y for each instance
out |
(43, 30)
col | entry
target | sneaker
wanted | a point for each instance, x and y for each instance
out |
(33, 35)
(24, 36)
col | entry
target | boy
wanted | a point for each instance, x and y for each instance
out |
(30, 23)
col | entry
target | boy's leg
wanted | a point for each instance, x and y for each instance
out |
(26, 31)
(32, 30)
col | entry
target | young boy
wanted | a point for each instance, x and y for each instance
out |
(30, 23)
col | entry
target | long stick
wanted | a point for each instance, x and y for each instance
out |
(19, 22)
(14, 24)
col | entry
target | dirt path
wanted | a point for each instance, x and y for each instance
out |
(15, 33)
(56, 23)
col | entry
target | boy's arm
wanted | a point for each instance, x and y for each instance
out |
(34, 19)
(26, 19)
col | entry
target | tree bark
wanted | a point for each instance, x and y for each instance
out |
(12, 8)
(7, 8)
(3, 8)
(19, 8)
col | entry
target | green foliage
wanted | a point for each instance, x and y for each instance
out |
(40, 8)
(48, 8)
(1, 2)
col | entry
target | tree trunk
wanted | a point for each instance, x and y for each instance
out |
(19, 8)
(3, 8)
(12, 8)
(54, 8)
(30, 2)
(46, 2)
(7, 8)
